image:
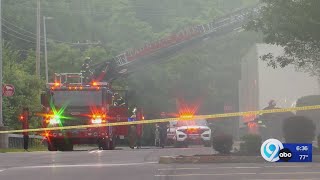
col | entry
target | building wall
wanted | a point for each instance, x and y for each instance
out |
(260, 83)
(248, 85)
(285, 85)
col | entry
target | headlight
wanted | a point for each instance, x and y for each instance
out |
(181, 130)
(96, 121)
(54, 120)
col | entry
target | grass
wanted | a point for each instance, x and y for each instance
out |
(40, 148)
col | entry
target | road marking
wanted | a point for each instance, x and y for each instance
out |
(96, 151)
(1, 170)
(225, 174)
(286, 166)
(228, 174)
(171, 169)
(288, 179)
(282, 173)
(239, 167)
(82, 165)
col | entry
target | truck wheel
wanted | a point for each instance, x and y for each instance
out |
(52, 147)
(65, 147)
(178, 144)
(207, 144)
(103, 144)
(112, 144)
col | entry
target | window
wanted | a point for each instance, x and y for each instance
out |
(77, 98)
(200, 122)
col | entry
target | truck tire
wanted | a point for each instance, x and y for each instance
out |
(112, 144)
(207, 144)
(65, 147)
(52, 147)
(103, 144)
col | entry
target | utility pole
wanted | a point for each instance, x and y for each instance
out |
(1, 116)
(4, 140)
(45, 46)
(38, 41)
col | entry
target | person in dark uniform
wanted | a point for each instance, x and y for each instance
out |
(118, 100)
(163, 126)
(25, 125)
(85, 70)
(163, 134)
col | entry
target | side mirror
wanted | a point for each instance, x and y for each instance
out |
(44, 100)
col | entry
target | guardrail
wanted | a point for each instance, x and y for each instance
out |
(16, 141)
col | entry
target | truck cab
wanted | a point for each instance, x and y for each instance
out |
(70, 102)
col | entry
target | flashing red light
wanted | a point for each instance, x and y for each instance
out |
(56, 84)
(21, 117)
(186, 116)
(97, 118)
(94, 83)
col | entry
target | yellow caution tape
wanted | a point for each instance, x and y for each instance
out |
(304, 108)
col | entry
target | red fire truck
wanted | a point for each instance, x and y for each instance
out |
(71, 102)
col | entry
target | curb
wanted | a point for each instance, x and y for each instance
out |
(216, 159)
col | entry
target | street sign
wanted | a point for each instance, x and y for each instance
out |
(7, 90)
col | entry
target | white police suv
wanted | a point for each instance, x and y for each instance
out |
(192, 132)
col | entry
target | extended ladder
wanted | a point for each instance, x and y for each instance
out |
(69, 78)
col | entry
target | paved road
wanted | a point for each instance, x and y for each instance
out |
(139, 164)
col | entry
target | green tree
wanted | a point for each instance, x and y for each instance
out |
(27, 89)
(299, 129)
(293, 25)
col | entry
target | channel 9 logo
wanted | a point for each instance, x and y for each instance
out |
(273, 150)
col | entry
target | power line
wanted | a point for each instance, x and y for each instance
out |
(18, 27)
(54, 9)
(17, 32)
(42, 38)
(18, 37)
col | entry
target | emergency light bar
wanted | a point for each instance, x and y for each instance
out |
(100, 84)
(76, 86)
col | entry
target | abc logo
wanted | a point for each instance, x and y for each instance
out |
(270, 150)
(285, 154)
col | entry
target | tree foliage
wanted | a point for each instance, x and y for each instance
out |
(299, 129)
(222, 143)
(27, 87)
(251, 144)
(209, 70)
(293, 25)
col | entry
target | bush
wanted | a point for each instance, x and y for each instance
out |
(222, 143)
(251, 144)
(299, 129)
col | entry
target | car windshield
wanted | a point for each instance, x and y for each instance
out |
(200, 122)
(77, 98)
